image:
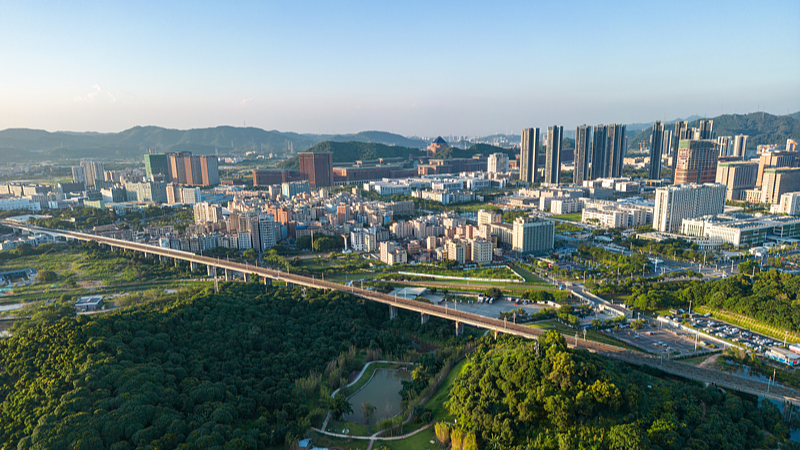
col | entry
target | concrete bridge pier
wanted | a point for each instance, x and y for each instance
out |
(459, 328)
(495, 334)
(392, 312)
(247, 277)
(267, 281)
(146, 255)
(788, 408)
(424, 318)
(212, 271)
(289, 285)
(177, 262)
(229, 275)
(194, 266)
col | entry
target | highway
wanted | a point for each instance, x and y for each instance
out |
(709, 376)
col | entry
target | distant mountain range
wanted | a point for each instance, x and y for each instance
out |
(645, 125)
(25, 144)
(762, 128)
(18, 144)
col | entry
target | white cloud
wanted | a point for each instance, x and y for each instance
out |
(246, 101)
(95, 94)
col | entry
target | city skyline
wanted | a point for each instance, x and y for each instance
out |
(341, 69)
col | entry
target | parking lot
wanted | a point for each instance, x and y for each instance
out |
(488, 310)
(658, 340)
(745, 338)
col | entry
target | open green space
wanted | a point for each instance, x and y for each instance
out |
(574, 217)
(436, 403)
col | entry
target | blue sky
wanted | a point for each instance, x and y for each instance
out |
(415, 68)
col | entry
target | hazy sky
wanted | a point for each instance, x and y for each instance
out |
(424, 68)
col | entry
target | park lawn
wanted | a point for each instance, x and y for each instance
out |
(321, 440)
(419, 441)
(574, 217)
(592, 335)
(749, 323)
(436, 403)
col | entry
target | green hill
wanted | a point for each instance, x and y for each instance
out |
(762, 128)
(132, 143)
(356, 151)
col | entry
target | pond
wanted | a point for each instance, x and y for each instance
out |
(383, 392)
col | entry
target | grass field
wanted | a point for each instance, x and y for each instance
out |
(436, 403)
(750, 324)
(575, 217)
(420, 441)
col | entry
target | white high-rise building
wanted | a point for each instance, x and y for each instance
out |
(739, 144)
(481, 251)
(686, 201)
(266, 225)
(497, 163)
(532, 235)
(487, 217)
(457, 251)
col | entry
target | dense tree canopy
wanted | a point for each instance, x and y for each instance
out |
(515, 395)
(213, 370)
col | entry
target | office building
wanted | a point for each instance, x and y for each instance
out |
(775, 159)
(743, 230)
(457, 251)
(79, 176)
(697, 161)
(552, 165)
(289, 190)
(205, 212)
(273, 177)
(529, 154)
(739, 145)
(680, 133)
(583, 136)
(789, 204)
(318, 167)
(268, 234)
(148, 191)
(705, 130)
(532, 235)
(193, 170)
(656, 143)
(616, 149)
(737, 176)
(599, 158)
(678, 202)
(487, 217)
(157, 165)
(497, 163)
(724, 146)
(95, 176)
(779, 181)
(392, 254)
(481, 251)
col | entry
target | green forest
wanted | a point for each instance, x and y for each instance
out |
(516, 394)
(772, 297)
(208, 371)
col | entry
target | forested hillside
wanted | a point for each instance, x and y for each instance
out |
(19, 143)
(212, 370)
(762, 128)
(771, 297)
(356, 151)
(512, 396)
